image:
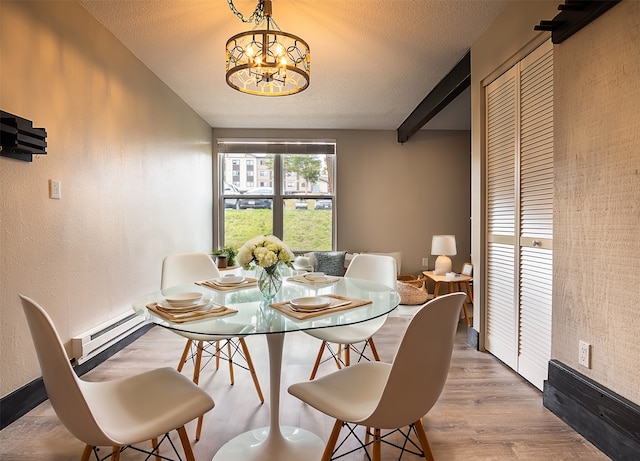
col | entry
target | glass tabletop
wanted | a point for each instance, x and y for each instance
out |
(254, 316)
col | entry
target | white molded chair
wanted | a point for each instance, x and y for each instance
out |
(116, 413)
(185, 268)
(376, 268)
(392, 395)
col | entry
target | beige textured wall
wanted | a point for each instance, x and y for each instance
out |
(597, 193)
(394, 197)
(135, 166)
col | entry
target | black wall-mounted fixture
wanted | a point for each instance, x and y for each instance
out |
(19, 139)
(573, 16)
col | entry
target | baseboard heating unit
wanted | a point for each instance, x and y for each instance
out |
(92, 342)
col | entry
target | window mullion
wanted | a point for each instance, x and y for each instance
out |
(278, 216)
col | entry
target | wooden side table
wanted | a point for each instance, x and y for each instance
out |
(452, 281)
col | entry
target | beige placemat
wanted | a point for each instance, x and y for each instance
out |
(302, 279)
(189, 316)
(212, 284)
(285, 307)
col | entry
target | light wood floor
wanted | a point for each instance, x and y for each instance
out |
(486, 411)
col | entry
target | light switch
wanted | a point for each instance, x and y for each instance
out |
(55, 189)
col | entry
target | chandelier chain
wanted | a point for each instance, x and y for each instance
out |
(256, 17)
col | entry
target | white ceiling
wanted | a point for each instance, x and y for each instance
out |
(372, 61)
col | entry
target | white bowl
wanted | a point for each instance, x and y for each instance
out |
(184, 299)
(230, 280)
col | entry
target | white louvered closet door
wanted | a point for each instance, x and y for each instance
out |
(502, 123)
(520, 215)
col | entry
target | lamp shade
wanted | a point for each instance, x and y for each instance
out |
(443, 246)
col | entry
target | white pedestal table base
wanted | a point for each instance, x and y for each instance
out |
(281, 443)
(292, 444)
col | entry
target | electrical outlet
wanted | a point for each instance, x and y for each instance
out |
(55, 189)
(425, 262)
(584, 354)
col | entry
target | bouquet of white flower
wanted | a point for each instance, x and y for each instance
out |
(264, 251)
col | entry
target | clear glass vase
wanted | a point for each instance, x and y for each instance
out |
(270, 280)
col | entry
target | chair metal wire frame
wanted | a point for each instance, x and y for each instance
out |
(233, 348)
(344, 349)
(369, 432)
(116, 450)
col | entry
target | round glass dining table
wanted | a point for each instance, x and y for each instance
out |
(254, 316)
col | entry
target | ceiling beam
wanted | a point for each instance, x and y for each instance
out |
(455, 82)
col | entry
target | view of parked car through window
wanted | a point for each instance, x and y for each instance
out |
(256, 202)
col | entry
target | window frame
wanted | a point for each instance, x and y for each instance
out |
(278, 149)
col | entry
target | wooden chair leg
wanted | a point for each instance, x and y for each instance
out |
(185, 353)
(376, 445)
(199, 427)
(318, 360)
(230, 362)
(217, 354)
(154, 445)
(424, 441)
(331, 443)
(374, 351)
(115, 453)
(186, 445)
(86, 453)
(196, 369)
(347, 355)
(252, 370)
(338, 356)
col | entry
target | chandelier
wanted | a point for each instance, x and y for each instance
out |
(266, 61)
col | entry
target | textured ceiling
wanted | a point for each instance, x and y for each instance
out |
(372, 61)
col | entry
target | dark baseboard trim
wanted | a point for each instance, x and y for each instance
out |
(606, 419)
(23, 400)
(473, 338)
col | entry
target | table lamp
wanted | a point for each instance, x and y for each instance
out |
(443, 246)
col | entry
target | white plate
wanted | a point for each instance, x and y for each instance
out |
(310, 302)
(184, 299)
(230, 280)
(191, 307)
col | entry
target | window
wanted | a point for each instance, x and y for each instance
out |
(300, 210)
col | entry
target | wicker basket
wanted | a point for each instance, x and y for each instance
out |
(410, 294)
(412, 280)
